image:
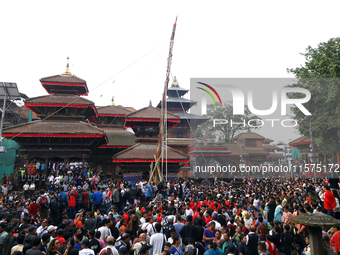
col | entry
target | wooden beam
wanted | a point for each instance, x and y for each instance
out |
(52, 144)
(55, 150)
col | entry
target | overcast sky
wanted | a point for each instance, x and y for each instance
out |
(213, 39)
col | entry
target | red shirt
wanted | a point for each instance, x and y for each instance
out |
(72, 199)
(335, 240)
(33, 209)
(79, 224)
(126, 217)
(85, 197)
(196, 215)
(207, 220)
(29, 169)
(272, 248)
(329, 200)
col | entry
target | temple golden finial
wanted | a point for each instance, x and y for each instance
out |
(175, 83)
(112, 101)
(67, 73)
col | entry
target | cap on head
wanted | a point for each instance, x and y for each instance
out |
(31, 228)
(52, 228)
(85, 242)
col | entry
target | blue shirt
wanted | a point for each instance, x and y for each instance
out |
(242, 248)
(209, 234)
(178, 227)
(173, 250)
(97, 198)
(77, 246)
(258, 223)
(214, 252)
(90, 197)
(149, 192)
(79, 197)
(63, 196)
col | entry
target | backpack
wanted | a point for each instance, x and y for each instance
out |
(168, 226)
(132, 192)
(108, 252)
(126, 195)
(43, 201)
(53, 204)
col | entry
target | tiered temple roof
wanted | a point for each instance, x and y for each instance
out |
(63, 120)
(145, 124)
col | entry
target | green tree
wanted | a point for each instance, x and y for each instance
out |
(320, 75)
(225, 132)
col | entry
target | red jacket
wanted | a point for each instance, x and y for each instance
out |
(33, 209)
(329, 200)
(72, 199)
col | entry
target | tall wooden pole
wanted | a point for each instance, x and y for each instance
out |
(157, 175)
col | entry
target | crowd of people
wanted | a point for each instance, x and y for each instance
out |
(85, 213)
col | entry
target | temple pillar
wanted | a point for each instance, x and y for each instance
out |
(26, 160)
(316, 243)
(85, 156)
(46, 166)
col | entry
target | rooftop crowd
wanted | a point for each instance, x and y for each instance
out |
(82, 212)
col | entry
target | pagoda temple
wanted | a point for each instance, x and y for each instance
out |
(111, 119)
(62, 132)
(137, 158)
(182, 135)
(272, 158)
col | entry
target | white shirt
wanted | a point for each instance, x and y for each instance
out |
(189, 212)
(26, 187)
(105, 232)
(157, 241)
(32, 186)
(51, 178)
(137, 247)
(248, 222)
(321, 195)
(142, 221)
(113, 250)
(86, 251)
(217, 224)
(149, 228)
(41, 231)
(58, 179)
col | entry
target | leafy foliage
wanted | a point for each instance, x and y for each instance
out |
(226, 132)
(320, 75)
